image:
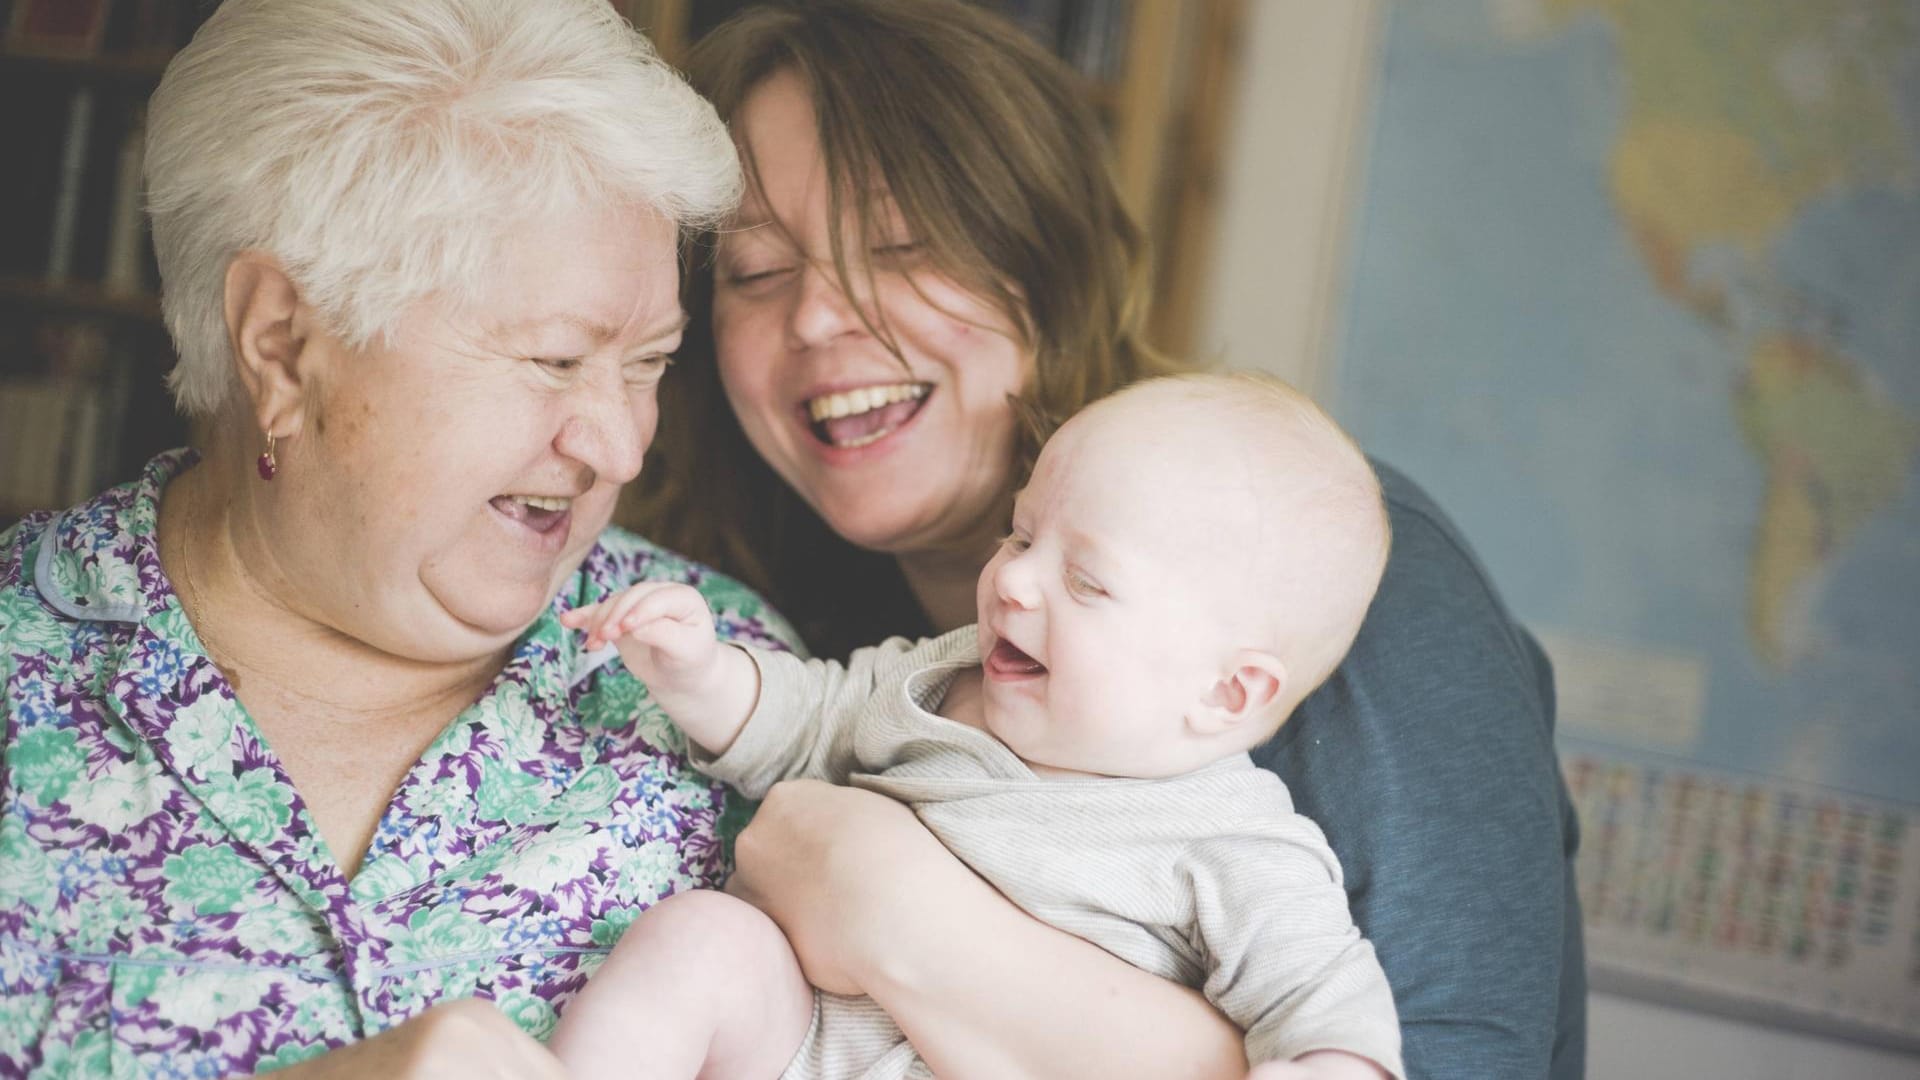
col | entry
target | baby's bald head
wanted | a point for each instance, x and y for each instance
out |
(1272, 492)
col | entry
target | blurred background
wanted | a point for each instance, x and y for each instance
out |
(1634, 289)
(1632, 286)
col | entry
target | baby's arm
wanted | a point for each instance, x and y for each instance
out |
(755, 717)
(1284, 959)
(665, 634)
(1319, 1065)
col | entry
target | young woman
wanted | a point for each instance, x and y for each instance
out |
(930, 268)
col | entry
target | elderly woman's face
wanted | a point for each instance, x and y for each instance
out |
(453, 478)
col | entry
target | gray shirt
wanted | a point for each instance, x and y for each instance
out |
(1209, 878)
(1428, 759)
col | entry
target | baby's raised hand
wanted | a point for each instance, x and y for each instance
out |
(665, 634)
(664, 631)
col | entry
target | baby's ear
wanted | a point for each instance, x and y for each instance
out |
(1251, 683)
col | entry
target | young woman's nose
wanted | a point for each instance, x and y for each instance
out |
(822, 310)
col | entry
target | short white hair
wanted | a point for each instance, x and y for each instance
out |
(382, 151)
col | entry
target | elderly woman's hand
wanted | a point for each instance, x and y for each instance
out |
(454, 1040)
(839, 869)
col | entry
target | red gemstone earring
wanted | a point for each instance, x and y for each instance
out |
(267, 465)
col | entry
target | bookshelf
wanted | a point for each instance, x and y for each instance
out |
(82, 349)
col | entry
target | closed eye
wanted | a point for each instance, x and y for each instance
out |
(1081, 585)
(647, 369)
(741, 279)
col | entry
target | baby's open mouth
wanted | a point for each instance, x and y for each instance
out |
(1007, 659)
(855, 418)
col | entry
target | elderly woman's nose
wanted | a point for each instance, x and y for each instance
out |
(821, 310)
(607, 430)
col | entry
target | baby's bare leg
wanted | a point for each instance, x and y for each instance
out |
(702, 985)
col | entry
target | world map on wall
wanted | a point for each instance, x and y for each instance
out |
(1635, 291)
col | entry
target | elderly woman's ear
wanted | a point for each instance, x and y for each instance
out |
(268, 330)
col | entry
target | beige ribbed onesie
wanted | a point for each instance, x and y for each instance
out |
(1209, 878)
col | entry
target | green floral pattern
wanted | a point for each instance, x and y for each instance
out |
(168, 909)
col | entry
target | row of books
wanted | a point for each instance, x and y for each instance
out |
(52, 443)
(94, 27)
(1090, 35)
(72, 203)
(61, 407)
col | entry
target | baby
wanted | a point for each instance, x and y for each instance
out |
(1191, 557)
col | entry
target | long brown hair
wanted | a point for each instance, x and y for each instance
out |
(987, 145)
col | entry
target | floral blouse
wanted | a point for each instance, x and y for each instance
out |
(167, 907)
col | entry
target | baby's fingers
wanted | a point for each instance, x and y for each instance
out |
(576, 618)
(589, 617)
(627, 614)
(608, 615)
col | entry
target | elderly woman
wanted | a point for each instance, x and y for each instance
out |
(296, 748)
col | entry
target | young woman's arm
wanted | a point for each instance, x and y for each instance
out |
(873, 904)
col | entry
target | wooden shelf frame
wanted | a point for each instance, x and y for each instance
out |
(79, 298)
(135, 68)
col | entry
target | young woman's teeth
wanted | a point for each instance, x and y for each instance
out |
(865, 399)
(855, 418)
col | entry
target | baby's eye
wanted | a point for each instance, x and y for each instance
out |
(1082, 585)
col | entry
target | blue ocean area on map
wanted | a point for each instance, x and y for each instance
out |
(1509, 342)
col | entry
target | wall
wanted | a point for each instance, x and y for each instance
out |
(1289, 172)
(1295, 158)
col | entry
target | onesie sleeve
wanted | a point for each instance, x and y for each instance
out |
(1284, 960)
(802, 726)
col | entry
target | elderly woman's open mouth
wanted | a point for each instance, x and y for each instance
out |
(544, 514)
(850, 419)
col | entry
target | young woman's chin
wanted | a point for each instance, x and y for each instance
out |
(905, 514)
(877, 519)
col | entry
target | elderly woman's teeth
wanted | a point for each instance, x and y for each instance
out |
(540, 502)
(864, 399)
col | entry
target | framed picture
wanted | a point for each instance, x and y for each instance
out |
(58, 27)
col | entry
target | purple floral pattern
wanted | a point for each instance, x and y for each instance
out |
(166, 905)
